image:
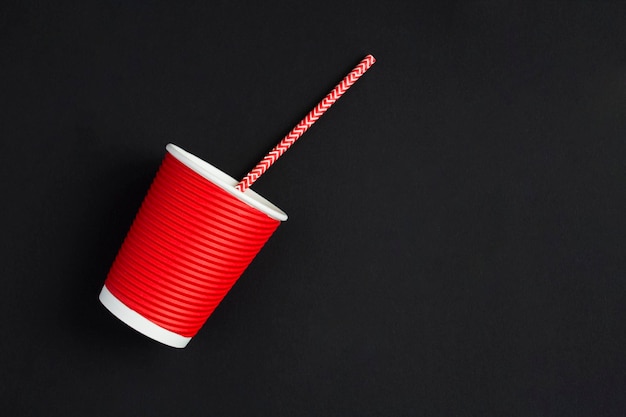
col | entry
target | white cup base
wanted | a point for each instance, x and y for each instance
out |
(140, 323)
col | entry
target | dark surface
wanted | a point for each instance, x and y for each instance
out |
(456, 241)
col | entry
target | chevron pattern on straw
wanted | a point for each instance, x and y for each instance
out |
(305, 123)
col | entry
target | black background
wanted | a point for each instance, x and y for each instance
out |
(456, 237)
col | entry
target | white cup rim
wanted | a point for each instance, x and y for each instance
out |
(225, 182)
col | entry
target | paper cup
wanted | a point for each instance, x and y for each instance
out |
(193, 236)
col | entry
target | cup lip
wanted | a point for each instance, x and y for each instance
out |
(225, 182)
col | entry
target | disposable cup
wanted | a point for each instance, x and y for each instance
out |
(189, 243)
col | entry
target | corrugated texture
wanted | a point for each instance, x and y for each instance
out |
(189, 243)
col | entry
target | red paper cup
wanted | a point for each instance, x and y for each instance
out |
(192, 238)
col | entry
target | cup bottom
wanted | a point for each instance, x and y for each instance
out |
(140, 323)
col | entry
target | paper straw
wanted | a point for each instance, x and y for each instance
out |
(305, 123)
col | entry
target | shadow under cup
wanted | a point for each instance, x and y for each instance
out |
(192, 238)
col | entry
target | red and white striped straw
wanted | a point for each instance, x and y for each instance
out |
(305, 123)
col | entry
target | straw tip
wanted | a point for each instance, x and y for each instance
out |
(370, 57)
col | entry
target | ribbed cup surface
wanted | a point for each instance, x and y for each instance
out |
(188, 244)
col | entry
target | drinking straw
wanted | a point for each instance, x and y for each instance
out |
(305, 123)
